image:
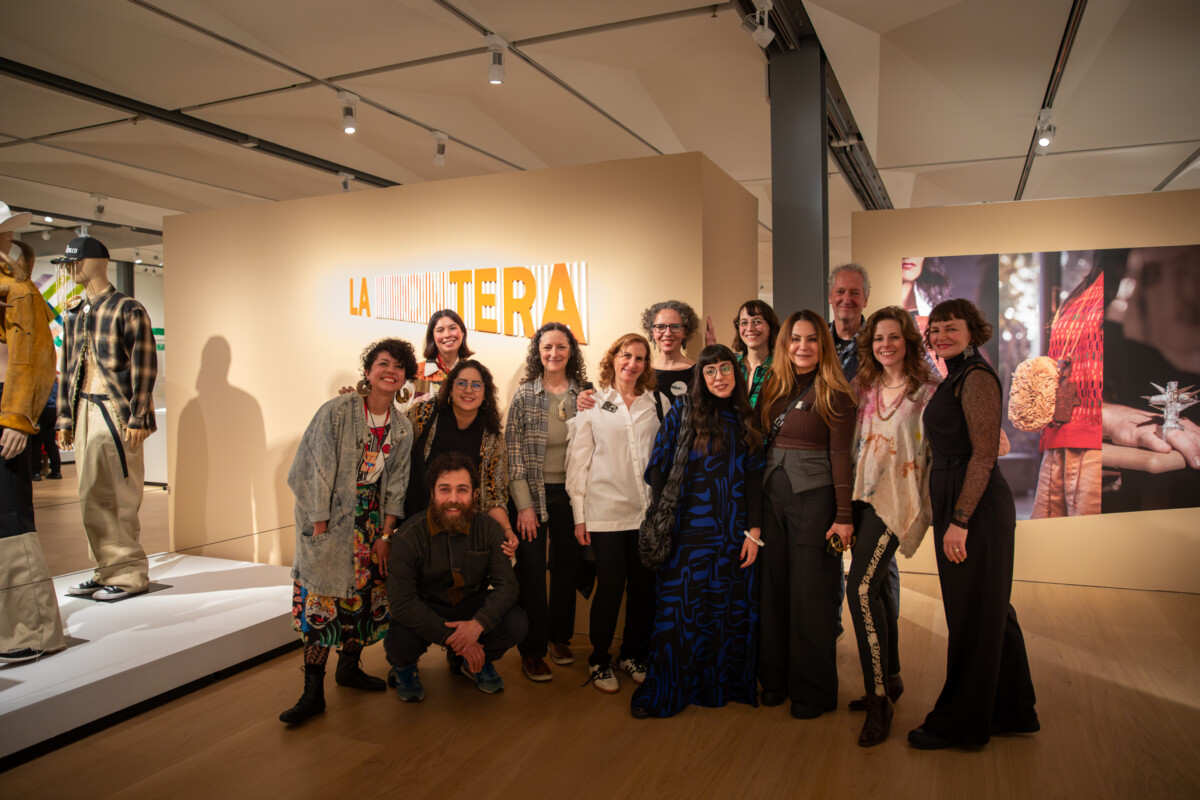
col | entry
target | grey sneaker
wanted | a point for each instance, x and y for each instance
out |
(635, 668)
(604, 679)
(486, 680)
(407, 683)
(85, 589)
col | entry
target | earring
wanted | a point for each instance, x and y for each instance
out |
(363, 387)
(969, 351)
(404, 395)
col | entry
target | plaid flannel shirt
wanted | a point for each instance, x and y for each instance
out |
(116, 332)
(526, 434)
(754, 383)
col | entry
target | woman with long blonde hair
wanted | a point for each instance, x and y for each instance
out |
(808, 412)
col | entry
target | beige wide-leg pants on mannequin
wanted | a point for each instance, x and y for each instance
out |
(111, 478)
(28, 608)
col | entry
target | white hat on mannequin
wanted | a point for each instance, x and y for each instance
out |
(10, 221)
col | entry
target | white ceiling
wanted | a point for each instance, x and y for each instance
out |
(946, 92)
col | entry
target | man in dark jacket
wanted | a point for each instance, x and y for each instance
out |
(449, 583)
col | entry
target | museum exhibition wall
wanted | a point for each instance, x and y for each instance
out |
(1019, 262)
(272, 304)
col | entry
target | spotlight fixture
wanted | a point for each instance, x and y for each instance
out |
(439, 148)
(1045, 130)
(98, 199)
(82, 230)
(346, 178)
(137, 259)
(48, 219)
(349, 119)
(496, 48)
(758, 23)
(46, 235)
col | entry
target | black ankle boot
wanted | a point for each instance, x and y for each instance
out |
(312, 702)
(879, 721)
(349, 673)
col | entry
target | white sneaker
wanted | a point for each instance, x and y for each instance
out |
(110, 593)
(635, 667)
(85, 589)
(604, 679)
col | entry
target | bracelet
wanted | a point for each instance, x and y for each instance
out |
(387, 537)
(758, 542)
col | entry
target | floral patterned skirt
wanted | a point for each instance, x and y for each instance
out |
(363, 618)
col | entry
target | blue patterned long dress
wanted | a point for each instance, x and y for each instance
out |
(704, 647)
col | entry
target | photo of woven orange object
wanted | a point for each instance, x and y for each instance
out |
(1032, 397)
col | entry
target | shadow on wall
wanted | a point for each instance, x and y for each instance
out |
(224, 492)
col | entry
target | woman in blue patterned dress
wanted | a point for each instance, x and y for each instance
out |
(703, 649)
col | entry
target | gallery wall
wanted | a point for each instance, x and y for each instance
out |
(1144, 550)
(260, 300)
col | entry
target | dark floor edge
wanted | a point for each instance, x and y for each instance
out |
(95, 726)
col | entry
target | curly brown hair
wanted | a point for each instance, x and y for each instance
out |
(916, 368)
(687, 314)
(958, 308)
(576, 371)
(489, 411)
(398, 349)
(608, 374)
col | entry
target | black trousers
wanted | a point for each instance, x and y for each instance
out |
(800, 586)
(871, 603)
(550, 620)
(620, 571)
(987, 670)
(404, 647)
(44, 439)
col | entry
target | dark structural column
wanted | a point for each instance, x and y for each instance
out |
(124, 283)
(799, 183)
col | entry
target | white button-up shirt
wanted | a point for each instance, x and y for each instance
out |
(609, 446)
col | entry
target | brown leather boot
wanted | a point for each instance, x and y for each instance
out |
(895, 688)
(878, 723)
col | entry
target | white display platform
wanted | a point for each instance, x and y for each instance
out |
(217, 613)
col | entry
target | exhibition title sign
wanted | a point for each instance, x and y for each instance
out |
(514, 301)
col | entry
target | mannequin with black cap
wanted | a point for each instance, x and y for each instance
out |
(30, 625)
(106, 410)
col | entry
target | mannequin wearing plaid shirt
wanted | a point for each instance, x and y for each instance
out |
(105, 407)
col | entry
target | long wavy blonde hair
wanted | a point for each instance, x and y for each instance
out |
(829, 380)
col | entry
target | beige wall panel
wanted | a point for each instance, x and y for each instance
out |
(259, 302)
(1148, 550)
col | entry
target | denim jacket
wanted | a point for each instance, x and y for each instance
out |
(324, 480)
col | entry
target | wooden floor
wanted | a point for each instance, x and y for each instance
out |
(1115, 670)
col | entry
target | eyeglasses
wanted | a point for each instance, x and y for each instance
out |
(674, 327)
(463, 385)
(757, 322)
(724, 368)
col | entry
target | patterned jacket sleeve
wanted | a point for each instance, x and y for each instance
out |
(143, 366)
(493, 478)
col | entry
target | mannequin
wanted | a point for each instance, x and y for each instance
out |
(30, 625)
(106, 411)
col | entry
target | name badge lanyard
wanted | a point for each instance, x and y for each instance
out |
(375, 441)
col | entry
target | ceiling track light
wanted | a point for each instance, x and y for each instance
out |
(439, 148)
(758, 24)
(137, 259)
(496, 48)
(346, 178)
(348, 102)
(98, 199)
(46, 235)
(1045, 130)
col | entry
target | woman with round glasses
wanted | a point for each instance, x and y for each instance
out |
(536, 437)
(891, 500)
(669, 325)
(988, 688)
(463, 418)
(755, 329)
(808, 409)
(445, 344)
(702, 649)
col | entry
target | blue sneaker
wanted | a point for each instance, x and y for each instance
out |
(486, 680)
(407, 683)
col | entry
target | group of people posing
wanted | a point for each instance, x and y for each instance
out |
(764, 462)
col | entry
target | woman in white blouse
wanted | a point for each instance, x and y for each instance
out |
(606, 459)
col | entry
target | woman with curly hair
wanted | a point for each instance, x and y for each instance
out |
(809, 407)
(349, 478)
(988, 687)
(445, 344)
(891, 498)
(536, 438)
(669, 325)
(463, 418)
(702, 649)
(609, 449)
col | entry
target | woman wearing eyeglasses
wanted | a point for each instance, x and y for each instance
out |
(891, 497)
(755, 329)
(463, 418)
(669, 325)
(536, 437)
(703, 649)
(807, 521)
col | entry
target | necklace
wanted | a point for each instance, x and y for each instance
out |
(897, 386)
(879, 404)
